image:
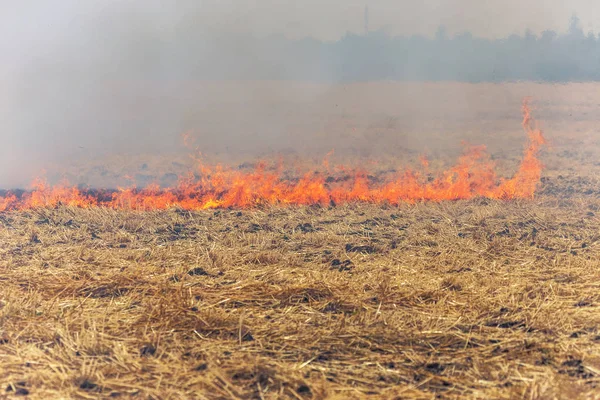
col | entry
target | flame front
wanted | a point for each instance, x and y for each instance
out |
(221, 187)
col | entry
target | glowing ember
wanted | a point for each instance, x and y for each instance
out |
(220, 187)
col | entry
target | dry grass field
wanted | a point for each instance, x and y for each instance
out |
(465, 299)
(478, 298)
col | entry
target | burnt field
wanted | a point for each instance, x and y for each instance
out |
(473, 298)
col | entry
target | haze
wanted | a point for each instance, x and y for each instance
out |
(84, 77)
(28, 21)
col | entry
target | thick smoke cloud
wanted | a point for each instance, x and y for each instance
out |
(86, 78)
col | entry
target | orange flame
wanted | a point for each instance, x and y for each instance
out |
(220, 187)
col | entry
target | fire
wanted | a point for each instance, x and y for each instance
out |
(220, 187)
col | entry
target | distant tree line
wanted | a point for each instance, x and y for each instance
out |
(187, 53)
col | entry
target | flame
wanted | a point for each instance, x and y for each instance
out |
(326, 159)
(221, 187)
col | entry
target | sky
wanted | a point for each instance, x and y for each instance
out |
(330, 19)
(322, 19)
(30, 28)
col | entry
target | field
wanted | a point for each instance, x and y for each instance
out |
(476, 298)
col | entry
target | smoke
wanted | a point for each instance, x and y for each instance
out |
(86, 79)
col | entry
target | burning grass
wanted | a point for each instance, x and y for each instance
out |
(218, 187)
(477, 298)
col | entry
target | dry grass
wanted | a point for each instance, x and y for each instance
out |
(478, 299)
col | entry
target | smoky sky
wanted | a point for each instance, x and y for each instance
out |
(75, 74)
(330, 19)
(46, 22)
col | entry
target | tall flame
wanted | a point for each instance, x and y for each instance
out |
(220, 187)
